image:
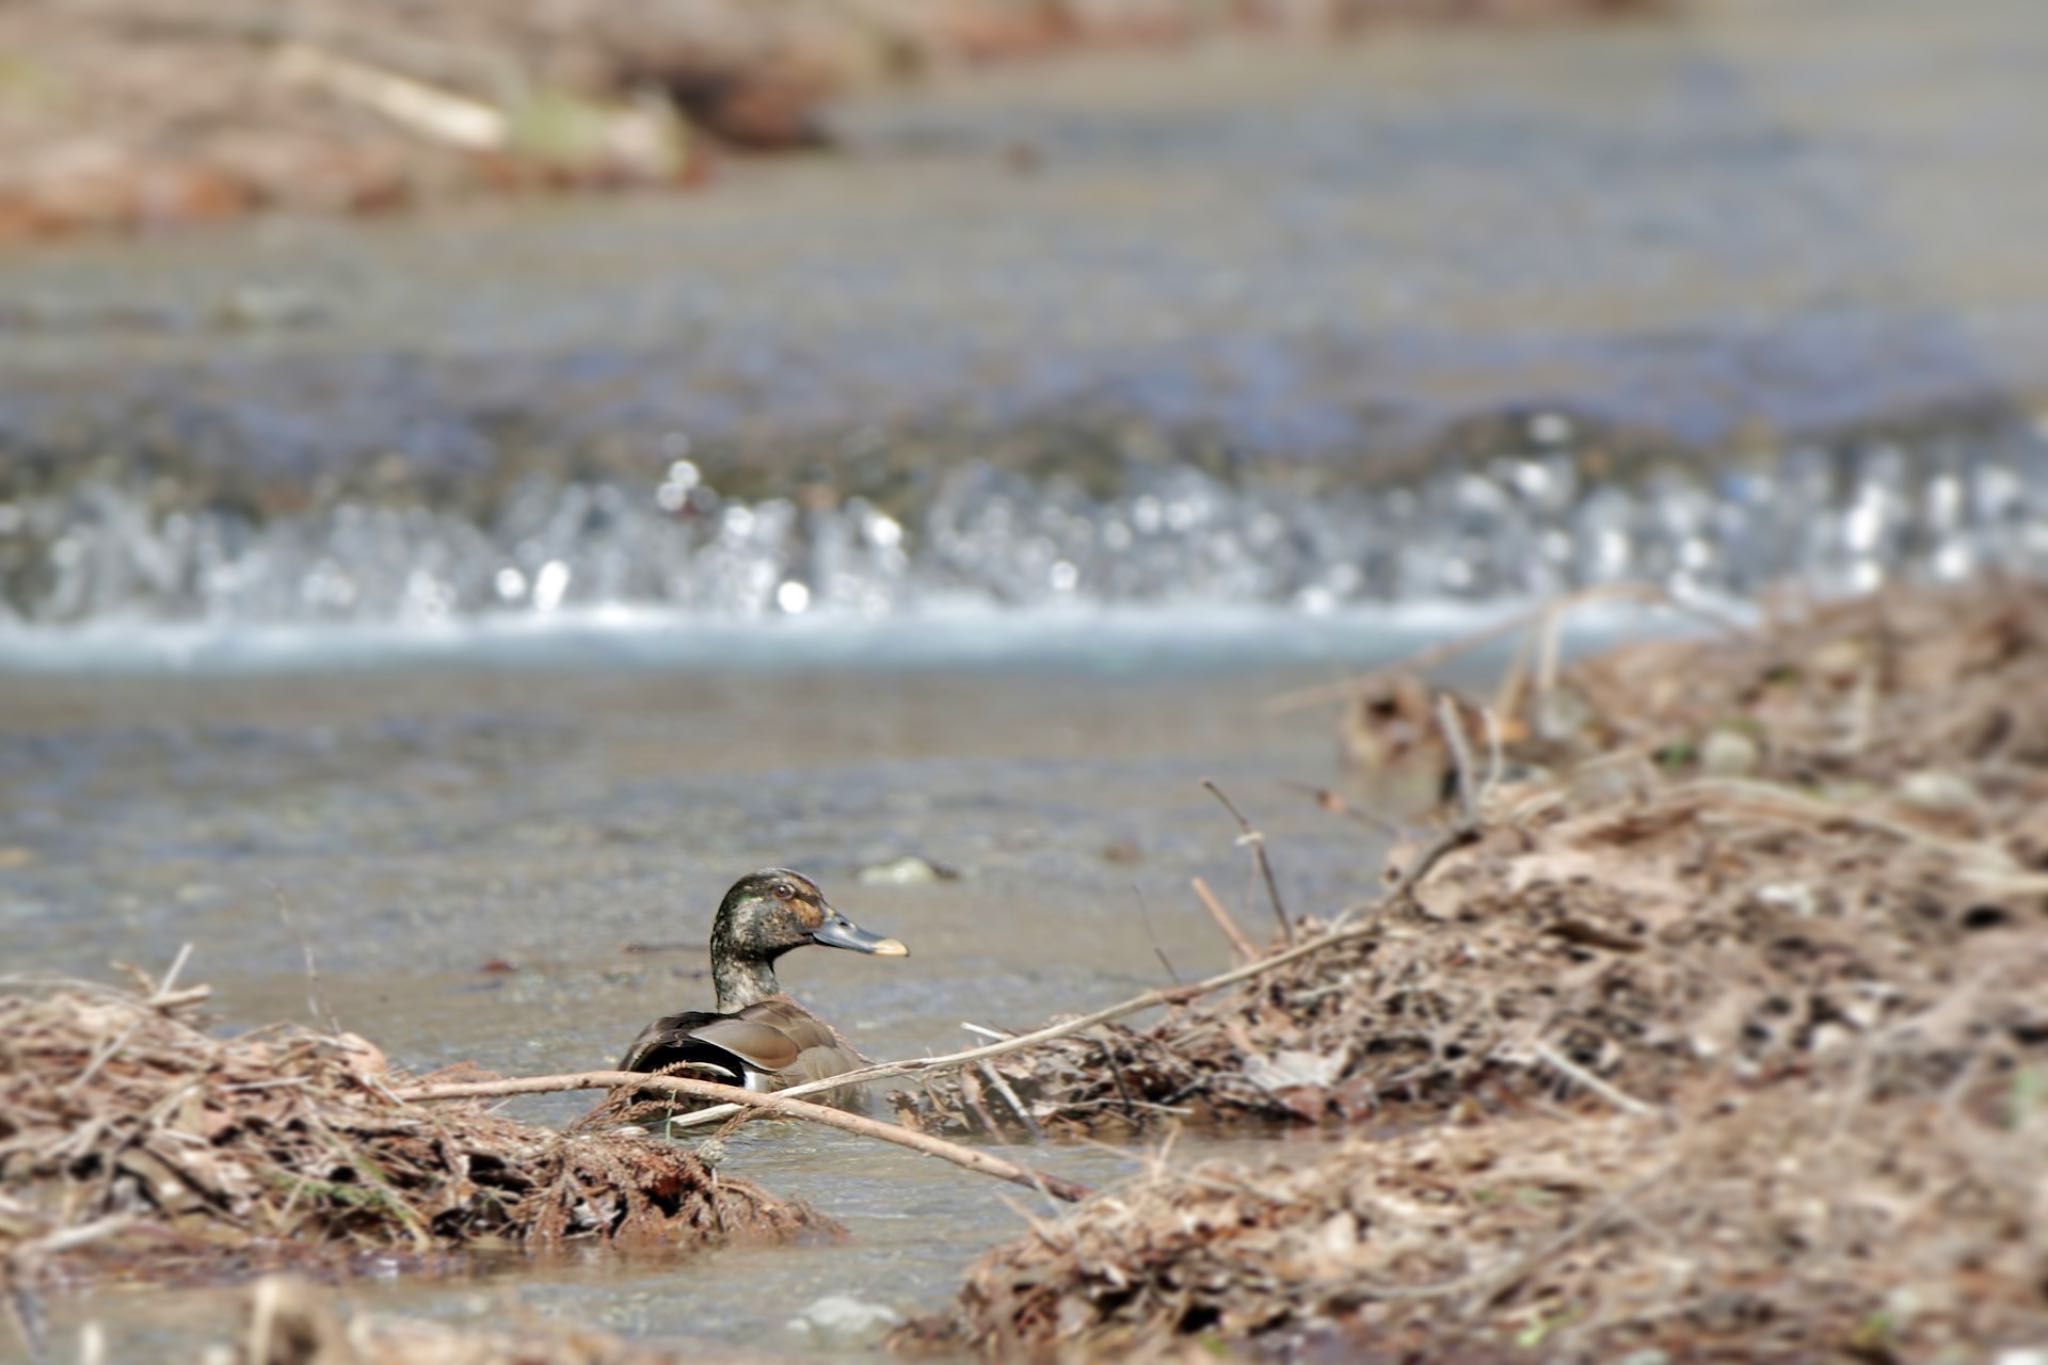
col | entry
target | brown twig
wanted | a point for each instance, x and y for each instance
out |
(1145, 915)
(1257, 840)
(970, 1092)
(1117, 1073)
(1002, 1087)
(1242, 945)
(1650, 593)
(1453, 727)
(1450, 841)
(965, 1157)
(1589, 1081)
(1340, 933)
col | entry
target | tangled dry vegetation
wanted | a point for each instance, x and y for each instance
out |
(133, 1142)
(1786, 1222)
(1728, 1028)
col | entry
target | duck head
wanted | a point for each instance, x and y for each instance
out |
(766, 914)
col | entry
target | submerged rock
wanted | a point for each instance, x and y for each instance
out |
(1729, 753)
(841, 1320)
(909, 870)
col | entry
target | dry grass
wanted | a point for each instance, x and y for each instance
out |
(134, 1142)
(1759, 1222)
(1886, 847)
(1730, 1033)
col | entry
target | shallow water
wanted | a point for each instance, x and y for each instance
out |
(914, 1225)
(424, 620)
(519, 869)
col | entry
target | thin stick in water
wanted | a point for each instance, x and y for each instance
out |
(1342, 932)
(1257, 841)
(1242, 945)
(967, 1158)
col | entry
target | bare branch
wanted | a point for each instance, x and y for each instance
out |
(1587, 1080)
(1453, 727)
(1340, 933)
(733, 1098)
(1257, 841)
(1243, 946)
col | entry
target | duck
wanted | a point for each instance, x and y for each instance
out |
(757, 1035)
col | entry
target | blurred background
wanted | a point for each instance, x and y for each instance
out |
(397, 315)
(476, 478)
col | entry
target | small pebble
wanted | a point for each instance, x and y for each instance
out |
(1935, 793)
(1122, 851)
(1729, 753)
(909, 870)
(1792, 897)
(842, 1320)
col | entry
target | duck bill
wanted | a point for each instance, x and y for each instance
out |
(840, 932)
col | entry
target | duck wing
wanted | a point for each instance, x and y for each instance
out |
(731, 1042)
(776, 1038)
(821, 1052)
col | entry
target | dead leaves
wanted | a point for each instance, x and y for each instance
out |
(1750, 1063)
(1765, 1221)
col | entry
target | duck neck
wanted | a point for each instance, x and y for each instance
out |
(741, 981)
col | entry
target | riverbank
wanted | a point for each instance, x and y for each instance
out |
(141, 1147)
(1712, 1024)
(143, 116)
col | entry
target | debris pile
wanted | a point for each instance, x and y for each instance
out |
(1639, 913)
(1780, 1222)
(1726, 1023)
(133, 1141)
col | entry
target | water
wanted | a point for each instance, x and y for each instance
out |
(379, 603)
(915, 1229)
(676, 566)
(400, 831)
(1449, 315)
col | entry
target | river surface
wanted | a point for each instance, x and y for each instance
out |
(427, 620)
(519, 869)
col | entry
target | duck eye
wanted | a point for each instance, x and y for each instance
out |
(783, 891)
